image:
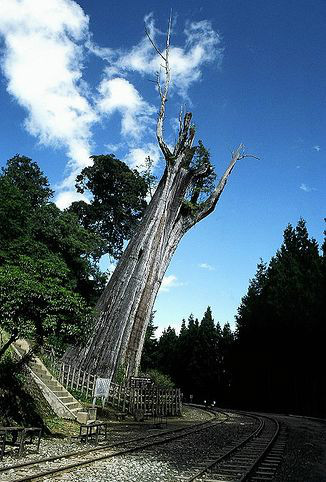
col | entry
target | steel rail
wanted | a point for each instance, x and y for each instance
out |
(256, 463)
(164, 437)
(237, 448)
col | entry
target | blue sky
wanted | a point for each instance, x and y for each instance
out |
(75, 81)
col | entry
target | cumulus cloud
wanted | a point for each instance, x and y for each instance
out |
(65, 198)
(45, 46)
(168, 282)
(202, 46)
(120, 95)
(137, 155)
(306, 188)
(43, 65)
(206, 266)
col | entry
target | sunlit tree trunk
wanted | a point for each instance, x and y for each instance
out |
(126, 304)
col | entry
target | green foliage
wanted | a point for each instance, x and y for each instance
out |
(49, 276)
(275, 360)
(36, 300)
(149, 354)
(160, 379)
(197, 360)
(280, 321)
(203, 179)
(25, 175)
(117, 203)
(17, 403)
(120, 375)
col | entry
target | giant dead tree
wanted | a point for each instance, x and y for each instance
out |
(125, 306)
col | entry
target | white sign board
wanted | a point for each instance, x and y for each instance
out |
(102, 387)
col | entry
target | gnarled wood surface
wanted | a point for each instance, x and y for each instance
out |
(127, 301)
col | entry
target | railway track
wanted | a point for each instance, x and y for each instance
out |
(252, 453)
(253, 458)
(48, 466)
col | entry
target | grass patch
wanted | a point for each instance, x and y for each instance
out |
(60, 427)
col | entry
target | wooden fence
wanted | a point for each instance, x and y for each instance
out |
(150, 399)
(73, 378)
(153, 400)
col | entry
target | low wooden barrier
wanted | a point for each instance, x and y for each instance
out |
(125, 398)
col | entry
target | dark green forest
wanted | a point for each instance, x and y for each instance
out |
(50, 281)
(274, 360)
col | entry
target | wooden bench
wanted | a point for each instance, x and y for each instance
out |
(93, 430)
(19, 436)
(30, 433)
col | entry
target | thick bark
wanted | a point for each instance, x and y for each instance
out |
(12, 339)
(127, 301)
(126, 304)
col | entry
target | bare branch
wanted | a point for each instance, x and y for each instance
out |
(163, 92)
(209, 205)
(158, 84)
(154, 45)
(180, 119)
(186, 134)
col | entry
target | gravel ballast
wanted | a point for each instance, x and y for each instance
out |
(304, 458)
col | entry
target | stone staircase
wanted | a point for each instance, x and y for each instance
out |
(61, 401)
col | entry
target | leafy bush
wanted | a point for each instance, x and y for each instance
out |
(160, 379)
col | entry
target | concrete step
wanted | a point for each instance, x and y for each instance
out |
(44, 375)
(66, 399)
(53, 385)
(61, 393)
(72, 405)
(76, 410)
(61, 401)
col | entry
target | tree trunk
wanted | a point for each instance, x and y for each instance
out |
(12, 339)
(127, 301)
(124, 309)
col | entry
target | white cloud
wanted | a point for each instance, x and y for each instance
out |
(65, 198)
(306, 188)
(43, 66)
(114, 147)
(206, 266)
(137, 155)
(43, 55)
(202, 46)
(317, 148)
(169, 282)
(120, 95)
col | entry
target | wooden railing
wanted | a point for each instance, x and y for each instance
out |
(155, 400)
(76, 379)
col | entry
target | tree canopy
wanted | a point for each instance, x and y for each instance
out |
(281, 322)
(275, 358)
(49, 277)
(118, 200)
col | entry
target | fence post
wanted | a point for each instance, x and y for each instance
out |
(87, 388)
(72, 378)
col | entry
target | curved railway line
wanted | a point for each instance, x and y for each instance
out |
(254, 455)
(254, 458)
